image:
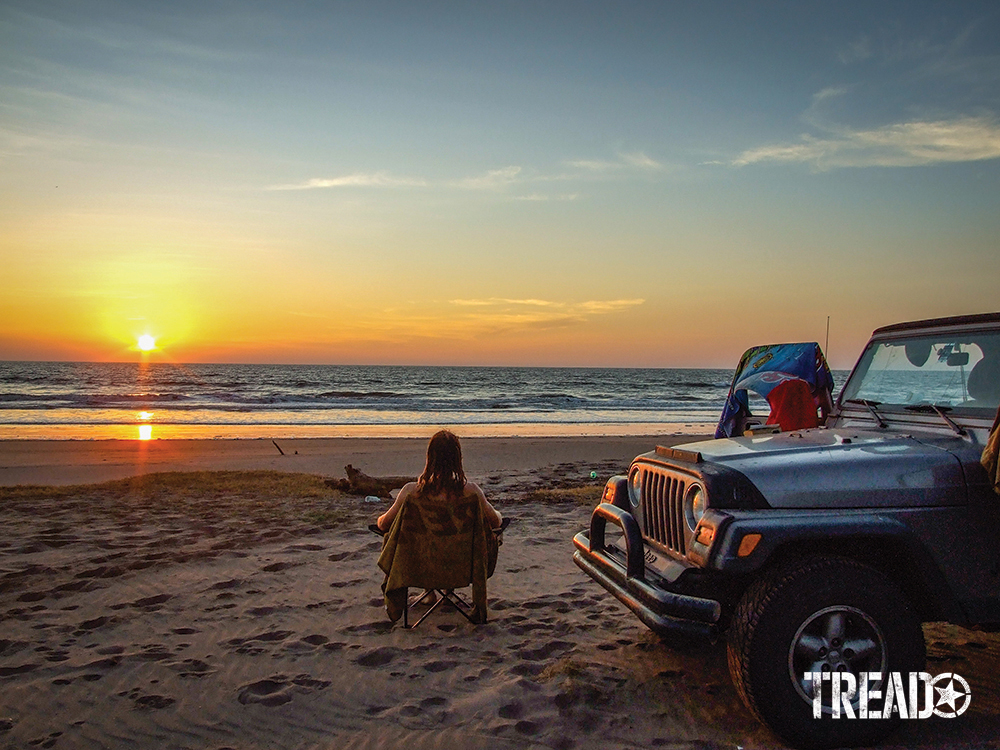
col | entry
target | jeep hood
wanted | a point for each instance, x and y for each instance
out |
(838, 468)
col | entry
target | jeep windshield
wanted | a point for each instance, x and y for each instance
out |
(957, 373)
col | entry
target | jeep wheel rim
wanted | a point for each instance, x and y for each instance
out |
(835, 639)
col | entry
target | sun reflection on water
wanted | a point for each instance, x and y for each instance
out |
(145, 430)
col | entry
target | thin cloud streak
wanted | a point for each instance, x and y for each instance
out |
(496, 178)
(376, 180)
(640, 160)
(498, 315)
(537, 197)
(501, 301)
(590, 306)
(909, 144)
(634, 159)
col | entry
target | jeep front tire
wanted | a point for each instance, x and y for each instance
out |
(817, 615)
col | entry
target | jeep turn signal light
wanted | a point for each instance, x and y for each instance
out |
(705, 535)
(748, 544)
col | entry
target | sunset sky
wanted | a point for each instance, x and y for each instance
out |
(536, 183)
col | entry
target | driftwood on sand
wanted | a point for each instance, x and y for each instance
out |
(359, 483)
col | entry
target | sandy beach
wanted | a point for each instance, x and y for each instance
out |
(237, 605)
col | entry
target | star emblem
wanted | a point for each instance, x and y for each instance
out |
(953, 695)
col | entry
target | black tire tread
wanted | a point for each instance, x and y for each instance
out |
(759, 598)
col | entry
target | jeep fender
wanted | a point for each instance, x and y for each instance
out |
(884, 540)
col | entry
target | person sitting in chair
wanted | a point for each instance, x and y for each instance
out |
(425, 528)
(443, 479)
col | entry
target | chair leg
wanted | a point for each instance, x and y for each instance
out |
(469, 611)
(423, 617)
(464, 608)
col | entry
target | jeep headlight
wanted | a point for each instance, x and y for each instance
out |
(694, 505)
(635, 487)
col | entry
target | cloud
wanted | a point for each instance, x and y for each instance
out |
(589, 307)
(540, 197)
(908, 144)
(593, 165)
(499, 315)
(640, 160)
(609, 305)
(375, 179)
(491, 180)
(501, 301)
(635, 159)
(856, 51)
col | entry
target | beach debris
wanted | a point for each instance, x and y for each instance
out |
(278, 447)
(372, 499)
(359, 483)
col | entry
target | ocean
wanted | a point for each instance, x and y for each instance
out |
(82, 400)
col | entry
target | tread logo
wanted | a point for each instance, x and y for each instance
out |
(872, 695)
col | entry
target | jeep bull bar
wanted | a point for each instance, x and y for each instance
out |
(664, 612)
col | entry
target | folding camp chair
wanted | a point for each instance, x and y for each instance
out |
(440, 547)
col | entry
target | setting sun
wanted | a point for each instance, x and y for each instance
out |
(147, 343)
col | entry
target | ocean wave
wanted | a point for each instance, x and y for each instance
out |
(317, 394)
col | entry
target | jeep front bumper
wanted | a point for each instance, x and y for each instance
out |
(663, 611)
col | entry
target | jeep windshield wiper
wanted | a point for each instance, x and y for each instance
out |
(941, 411)
(871, 407)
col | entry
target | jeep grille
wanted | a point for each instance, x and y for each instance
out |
(663, 508)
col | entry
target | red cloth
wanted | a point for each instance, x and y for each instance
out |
(792, 406)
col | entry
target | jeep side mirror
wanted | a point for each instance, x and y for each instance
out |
(958, 359)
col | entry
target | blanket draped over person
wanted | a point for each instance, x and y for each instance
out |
(991, 455)
(431, 545)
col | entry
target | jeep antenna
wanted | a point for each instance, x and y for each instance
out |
(826, 346)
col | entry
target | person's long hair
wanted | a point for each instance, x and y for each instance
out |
(443, 473)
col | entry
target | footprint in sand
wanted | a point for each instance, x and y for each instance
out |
(305, 547)
(274, 691)
(223, 585)
(510, 710)
(429, 712)
(20, 669)
(279, 566)
(279, 689)
(193, 668)
(378, 657)
(440, 666)
(528, 728)
(352, 582)
(152, 702)
(152, 603)
(251, 645)
(97, 622)
(545, 651)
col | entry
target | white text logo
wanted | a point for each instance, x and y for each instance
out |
(872, 695)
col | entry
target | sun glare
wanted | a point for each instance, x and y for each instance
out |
(147, 343)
